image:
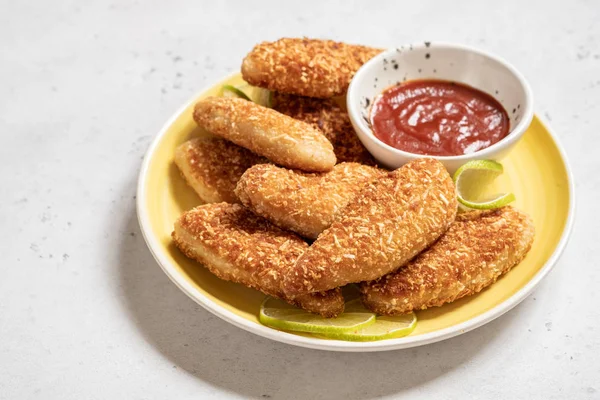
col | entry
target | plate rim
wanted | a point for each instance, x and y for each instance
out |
(337, 345)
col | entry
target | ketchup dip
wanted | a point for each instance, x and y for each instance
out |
(438, 118)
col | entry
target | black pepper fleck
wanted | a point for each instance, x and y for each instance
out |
(496, 92)
(519, 106)
(427, 44)
(395, 66)
(514, 110)
(427, 56)
(367, 101)
(419, 70)
(435, 71)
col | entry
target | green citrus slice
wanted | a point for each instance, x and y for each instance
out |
(232, 91)
(383, 328)
(472, 181)
(278, 314)
(245, 91)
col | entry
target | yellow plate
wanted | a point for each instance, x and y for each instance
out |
(536, 171)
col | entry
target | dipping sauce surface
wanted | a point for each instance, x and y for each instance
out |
(438, 118)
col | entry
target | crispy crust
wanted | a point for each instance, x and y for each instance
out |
(477, 249)
(392, 220)
(282, 139)
(327, 116)
(213, 166)
(236, 245)
(305, 67)
(303, 202)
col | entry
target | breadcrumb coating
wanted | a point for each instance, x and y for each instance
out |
(305, 67)
(479, 247)
(303, 202)
(327, 116)
(282, 139)
(389, 222)
(236, 245)
(213, 166)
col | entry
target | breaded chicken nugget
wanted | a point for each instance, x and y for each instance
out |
(329, 118)
(282, 139)
(389, 222)
(303, 202)
(236, 245)
(305, 67)
(213, 166)
(477, 249)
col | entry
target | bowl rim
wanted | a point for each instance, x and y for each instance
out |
(353, 103)
(170, 270)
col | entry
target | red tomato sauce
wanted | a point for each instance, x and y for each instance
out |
(438, 118)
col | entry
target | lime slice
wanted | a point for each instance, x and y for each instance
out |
(232, 91)
(278, 314)
(245, 91)
(383, 328)
(472, 181)
(258, 95)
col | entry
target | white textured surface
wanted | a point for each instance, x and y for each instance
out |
(85, 313)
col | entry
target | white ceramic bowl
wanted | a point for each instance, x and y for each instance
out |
(442, 61)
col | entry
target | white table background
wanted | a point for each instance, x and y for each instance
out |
(86, 313)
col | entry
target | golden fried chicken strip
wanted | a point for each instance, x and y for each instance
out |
(282, 139)
(329, 118)
(389, 222)
(236, 245)
(477, 249)
(305, 67)
(213, 166)
(303, 202)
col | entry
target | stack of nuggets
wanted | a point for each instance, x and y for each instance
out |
(299, 171)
